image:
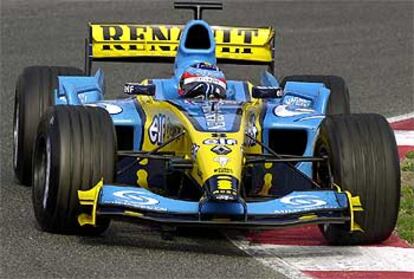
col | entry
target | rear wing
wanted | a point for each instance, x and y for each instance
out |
(159, 43)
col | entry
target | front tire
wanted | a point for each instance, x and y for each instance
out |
(364, 160)
(75, 148)
(33, 95)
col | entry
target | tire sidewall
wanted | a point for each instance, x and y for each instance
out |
(50, 138)
(79, 158)
(33, 95)
(362, 156)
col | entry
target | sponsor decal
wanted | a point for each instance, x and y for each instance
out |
(224, 190)
(221, 150)
(214, 118)
(303, 201)
(205, 79)
(222, 186)
(219, 135)
(285, 111)
(297, 102)
(143, 38)
(220, 141)
(293, 106)
(156, 129)
(162, 129)
(137, 199)
(223, 170)
(222, 160)
(129, 88)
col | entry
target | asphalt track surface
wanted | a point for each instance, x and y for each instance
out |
(370, 44)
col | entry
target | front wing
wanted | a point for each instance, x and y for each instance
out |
(296, 208)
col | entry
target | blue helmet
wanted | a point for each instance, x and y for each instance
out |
(203, 80)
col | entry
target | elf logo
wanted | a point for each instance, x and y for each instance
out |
(220, 141)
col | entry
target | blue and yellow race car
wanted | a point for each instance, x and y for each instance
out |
(196, 149)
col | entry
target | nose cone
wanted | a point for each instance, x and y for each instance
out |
(217, 131)
(219, 164)
(222, 188)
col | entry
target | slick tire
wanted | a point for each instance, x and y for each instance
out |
(364, 161)
(339, 97)
(33, 95)
(74, 149)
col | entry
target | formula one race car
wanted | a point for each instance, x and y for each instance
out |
(195, 149)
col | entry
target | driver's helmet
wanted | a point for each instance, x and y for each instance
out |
(202, 80)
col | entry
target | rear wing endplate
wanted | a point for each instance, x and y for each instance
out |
(159, 43)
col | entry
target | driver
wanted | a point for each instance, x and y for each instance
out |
(202, 80)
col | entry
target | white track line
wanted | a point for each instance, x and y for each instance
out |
(265, 257)
(404, 138)
(335, 258)
(401, 117)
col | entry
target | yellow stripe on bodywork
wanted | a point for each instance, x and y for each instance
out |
(111, 40)
(133, 213)
(308, 217)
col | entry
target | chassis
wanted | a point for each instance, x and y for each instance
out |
(274, 155)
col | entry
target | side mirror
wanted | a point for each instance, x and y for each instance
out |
(264, 92)
(139, 89)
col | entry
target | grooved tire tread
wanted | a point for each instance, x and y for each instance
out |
(364, 160)
(83, 150)
(33, 94)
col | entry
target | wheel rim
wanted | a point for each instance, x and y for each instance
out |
(47, 178)
(16, 134)
(42, 166)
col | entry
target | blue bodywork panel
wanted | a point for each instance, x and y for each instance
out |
(79, 90)
(230, 110)
(296, 202)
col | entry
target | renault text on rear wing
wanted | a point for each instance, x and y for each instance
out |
(153, 43)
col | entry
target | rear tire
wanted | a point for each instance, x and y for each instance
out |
(364, 160)
(33, 95)
(75, 148)
(339, 97)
